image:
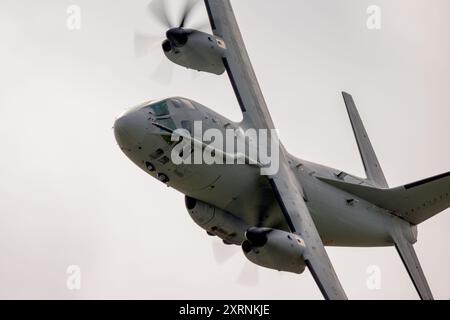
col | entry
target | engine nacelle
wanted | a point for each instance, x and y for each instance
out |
(216, 221)
(275, 249)
(195, 50)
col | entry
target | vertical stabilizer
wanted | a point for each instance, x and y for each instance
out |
(368, 156)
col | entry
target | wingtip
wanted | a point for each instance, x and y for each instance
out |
(346, 94)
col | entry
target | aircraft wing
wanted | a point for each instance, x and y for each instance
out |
(284, 183)
(238, 65)
(289, 196)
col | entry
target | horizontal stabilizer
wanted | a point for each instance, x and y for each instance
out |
(415, 202)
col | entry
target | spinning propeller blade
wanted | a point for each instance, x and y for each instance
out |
(144, 43)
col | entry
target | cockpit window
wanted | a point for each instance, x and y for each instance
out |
(168, 123)
(159, 109)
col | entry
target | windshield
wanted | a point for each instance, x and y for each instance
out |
(159, 109)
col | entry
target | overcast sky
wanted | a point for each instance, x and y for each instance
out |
(69, 196)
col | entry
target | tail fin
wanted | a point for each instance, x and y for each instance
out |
(368, 156)
(414, 202)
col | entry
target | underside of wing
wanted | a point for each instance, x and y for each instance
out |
(285, 185)
(289, 196)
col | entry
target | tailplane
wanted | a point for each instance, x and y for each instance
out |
(414, 202)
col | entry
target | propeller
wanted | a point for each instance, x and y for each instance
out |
(249, 273)
(222, 253)
(175, 36)
(158, 9)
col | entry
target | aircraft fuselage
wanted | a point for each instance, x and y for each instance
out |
(239, 189)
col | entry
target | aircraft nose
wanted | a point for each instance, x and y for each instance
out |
(129, 129)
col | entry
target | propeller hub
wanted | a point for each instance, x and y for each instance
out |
(257, 237)
(178, 37)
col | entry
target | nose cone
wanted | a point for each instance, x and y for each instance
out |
(130, 129)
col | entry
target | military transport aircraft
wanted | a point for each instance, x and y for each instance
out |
(282, 220)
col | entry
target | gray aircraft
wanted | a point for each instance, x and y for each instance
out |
(282, 220)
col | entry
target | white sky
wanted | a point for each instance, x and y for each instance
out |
(70, 197)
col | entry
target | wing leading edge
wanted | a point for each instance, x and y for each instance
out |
(238, 65)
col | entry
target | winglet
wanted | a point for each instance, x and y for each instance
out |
(368, 156)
